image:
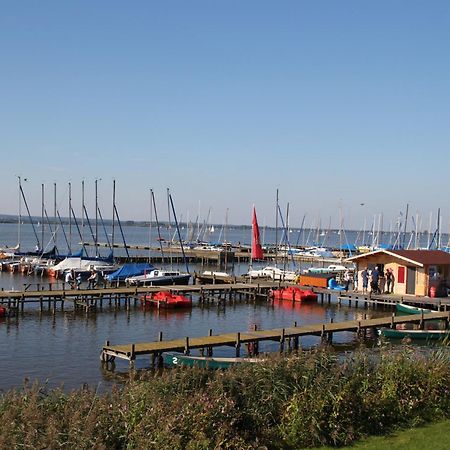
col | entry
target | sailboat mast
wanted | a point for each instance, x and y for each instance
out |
(178, 231)
(54, 215)
(82, 213)
(70, 217)
(96, 217)
(158, 227)
(150, 230)
(276, 229)
(19, 215)
(113, 212)
(404, 225)
(42, 212)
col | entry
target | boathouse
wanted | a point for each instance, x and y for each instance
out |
(416, 272)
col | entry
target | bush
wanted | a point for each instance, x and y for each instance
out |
(307, 400)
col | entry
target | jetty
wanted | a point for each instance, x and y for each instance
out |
(286, 337)
(51, 296)
(90, 299)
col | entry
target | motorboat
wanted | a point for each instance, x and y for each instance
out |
(272, 272)
(159, 277)
(332, 268)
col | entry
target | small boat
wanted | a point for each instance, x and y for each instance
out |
(165, 299)
(3, 311)
(408, 309)
(205, 362)
(414, 334)
(293, 293)
(272, 272)
(332, 268)
(159, 277)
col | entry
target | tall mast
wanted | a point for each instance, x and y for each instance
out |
(276, 229)
(82, 212)
(404, 226)
(54, 215)
(113, 212)
(96, 217)
(19, 214)
(70, 217)
(150, 230)
(42, 212)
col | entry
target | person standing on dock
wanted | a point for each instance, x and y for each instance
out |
(93, 279)
(347, 279)
(375, 278)
(78, 280)
(365, 280)
(70, 278)
(389, 281)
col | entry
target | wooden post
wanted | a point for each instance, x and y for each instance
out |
(187, 350)
(282, 339)
(421, 324)
(238, 345)
(209, 350)
(160, 336)
(392, 320)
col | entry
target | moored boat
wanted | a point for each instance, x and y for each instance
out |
(205, 362)
(159, 277)
(409, 309)
(293, 293)
(414, 334)
(165, 299)
(273, 273)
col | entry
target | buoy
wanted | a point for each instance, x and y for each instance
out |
(433, 291)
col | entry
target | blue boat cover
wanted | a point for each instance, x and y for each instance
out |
(129, 270)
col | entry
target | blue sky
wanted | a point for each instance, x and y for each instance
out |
(335, 103)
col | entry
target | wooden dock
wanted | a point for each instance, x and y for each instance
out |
(284, 336)
(218, 291)
(89, 299)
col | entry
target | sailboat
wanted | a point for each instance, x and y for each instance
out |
(272, 272)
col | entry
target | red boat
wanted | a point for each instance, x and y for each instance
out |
(2, 311)
(293, 293)
(165, 299)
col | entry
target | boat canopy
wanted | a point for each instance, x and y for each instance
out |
(129, 270)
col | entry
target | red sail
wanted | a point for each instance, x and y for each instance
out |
(257, 252)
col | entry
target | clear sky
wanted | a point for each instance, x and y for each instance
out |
(335, 103)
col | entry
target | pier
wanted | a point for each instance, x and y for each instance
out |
(90, 299)
(232, 289)
(286, 337)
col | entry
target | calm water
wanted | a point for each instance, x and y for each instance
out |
(65, 348)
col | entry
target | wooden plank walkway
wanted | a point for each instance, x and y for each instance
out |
(325, 330)
(88, 298)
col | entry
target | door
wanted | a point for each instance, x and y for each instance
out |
(411, 280)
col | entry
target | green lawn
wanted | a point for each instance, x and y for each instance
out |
(432, 437)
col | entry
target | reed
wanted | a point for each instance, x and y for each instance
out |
(307, 400)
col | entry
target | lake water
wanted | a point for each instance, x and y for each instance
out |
(65, 348)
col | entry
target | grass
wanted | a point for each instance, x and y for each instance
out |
(435, 437)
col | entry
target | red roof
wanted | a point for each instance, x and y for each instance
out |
(424, 257)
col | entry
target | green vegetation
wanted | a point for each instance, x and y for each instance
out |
(308, 400)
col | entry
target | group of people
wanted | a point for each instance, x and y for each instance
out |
(75, 281)
(379, 282)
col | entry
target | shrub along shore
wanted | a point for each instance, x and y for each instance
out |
(308, 400)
